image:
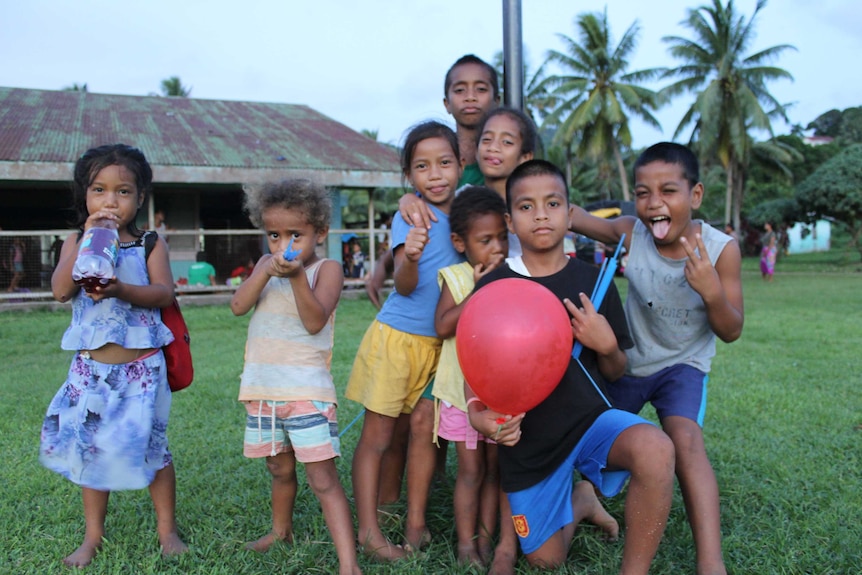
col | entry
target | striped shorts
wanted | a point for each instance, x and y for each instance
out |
(308, 428)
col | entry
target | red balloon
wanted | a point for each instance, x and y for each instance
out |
(514, 342)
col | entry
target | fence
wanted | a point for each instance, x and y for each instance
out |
(227, 250)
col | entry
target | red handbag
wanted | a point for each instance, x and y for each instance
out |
(178, 353)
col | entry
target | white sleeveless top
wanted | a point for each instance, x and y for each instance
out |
(667, 318)
(283, 362)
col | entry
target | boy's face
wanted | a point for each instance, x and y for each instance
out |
(664, 200)
(486, 242)
(281, 225)
(539, 214)
(470, 95)
(434, 172)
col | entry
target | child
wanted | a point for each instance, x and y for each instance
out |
(684, 289)
(105, 429)
(286, 385)
(574, 428)
(470, 90)
(478, 225)
(399, 352)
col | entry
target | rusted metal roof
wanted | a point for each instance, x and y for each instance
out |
(43, 132)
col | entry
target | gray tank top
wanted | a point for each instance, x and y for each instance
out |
(667, 318)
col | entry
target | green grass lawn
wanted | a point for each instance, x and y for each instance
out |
(782, 430)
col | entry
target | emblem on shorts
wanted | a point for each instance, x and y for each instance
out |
(522, 528)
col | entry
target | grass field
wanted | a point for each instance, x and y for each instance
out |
(782, 430)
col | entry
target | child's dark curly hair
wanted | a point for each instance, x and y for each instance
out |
(471, 203)
(310, 198)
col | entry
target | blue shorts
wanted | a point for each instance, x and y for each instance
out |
(543, 509)
(676, 390)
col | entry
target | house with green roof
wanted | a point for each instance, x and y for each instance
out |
(201, 151)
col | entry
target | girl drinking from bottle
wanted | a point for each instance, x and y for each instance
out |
(105, 429)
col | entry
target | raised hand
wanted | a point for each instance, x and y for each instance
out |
(699, 271)
(590, 327)
(415, 242)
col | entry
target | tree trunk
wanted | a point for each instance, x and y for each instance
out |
(568, 165)
(738, 193)
(621, 168)
(728, 198)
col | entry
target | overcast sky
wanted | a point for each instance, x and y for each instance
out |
(379, 64)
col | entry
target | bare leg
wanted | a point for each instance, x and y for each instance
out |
(376, 437)
(421, 457)
(489, 504)
(393, 463)
(468, 484)
(440, 460)
(163, 492)
(587, 507)
(282, 467)
(648, 454)
(506, 553)
(95, 509)
(323, 479)
(699, 492)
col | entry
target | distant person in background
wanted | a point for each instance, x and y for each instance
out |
(731, 231)
(768, 252)
(201, 272)
(16, 256)
(358, 260)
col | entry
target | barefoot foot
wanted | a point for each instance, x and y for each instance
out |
(380, 549)
(416, 539)
(172, 544)
(588, 507)
(467, 555)
(82, 556)
(263, 544)
(503, 563)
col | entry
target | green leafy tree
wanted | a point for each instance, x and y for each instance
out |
(596, 95)
(76, 87)
(173, 87)
(732, 96)
(834, 190)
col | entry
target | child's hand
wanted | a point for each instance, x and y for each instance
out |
(106, 291)
(415, 211)
(480, 270)
(590, 327)
(504, 429)
(281, 268)
(699, 271)
(415, 243)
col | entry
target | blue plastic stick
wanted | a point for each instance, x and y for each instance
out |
(290, 254)
(600, 289)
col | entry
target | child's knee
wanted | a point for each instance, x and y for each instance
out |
(281, 467)
(322, 477)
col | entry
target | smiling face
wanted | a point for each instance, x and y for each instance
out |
(469, 95)
(282, 224)
(434, 172)
(487, 239)
(114, 190)
(664, 200)
(500, 145)
(539, 213)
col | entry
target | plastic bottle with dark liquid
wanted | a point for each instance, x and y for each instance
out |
(97, 256)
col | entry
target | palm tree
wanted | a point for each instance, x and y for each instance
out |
(731, 90)
(597, 95)
(174, 87)
(537, 101)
